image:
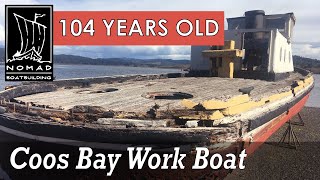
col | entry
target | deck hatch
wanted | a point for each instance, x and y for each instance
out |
(167, 95)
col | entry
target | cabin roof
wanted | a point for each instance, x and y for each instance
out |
(291, 15)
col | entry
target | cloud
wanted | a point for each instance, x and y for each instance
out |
(307, 50)
(2, 14)
(307, 20)
(313, 44)
(2, 35)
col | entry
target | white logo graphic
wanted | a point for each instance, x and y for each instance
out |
(32, 39)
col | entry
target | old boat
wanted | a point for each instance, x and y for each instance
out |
(233, 98)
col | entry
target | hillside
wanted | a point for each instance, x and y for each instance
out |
(71, 59)
(307, 63)
(312, 65)
(161, 63)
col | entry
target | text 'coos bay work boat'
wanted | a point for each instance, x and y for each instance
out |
(234, 98)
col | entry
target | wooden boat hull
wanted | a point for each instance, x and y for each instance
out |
(161, 139)
(259, 136)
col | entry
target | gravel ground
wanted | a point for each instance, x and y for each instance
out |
(271, 161)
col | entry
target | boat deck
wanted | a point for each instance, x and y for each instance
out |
(130, 95)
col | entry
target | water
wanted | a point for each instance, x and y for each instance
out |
(314, 100)
(79, 71)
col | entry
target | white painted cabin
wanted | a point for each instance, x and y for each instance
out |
(266, 40)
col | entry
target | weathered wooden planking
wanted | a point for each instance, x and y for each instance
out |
(129, 97)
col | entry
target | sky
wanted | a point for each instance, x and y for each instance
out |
(306, 38)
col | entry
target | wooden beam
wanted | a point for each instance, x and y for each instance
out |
(226, 53)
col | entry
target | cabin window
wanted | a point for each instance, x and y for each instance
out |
(280, 54)
(290, 56)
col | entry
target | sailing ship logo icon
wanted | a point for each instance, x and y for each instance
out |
(32, 35)
(29, 43)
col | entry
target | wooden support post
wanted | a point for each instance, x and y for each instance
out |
(227, 68)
